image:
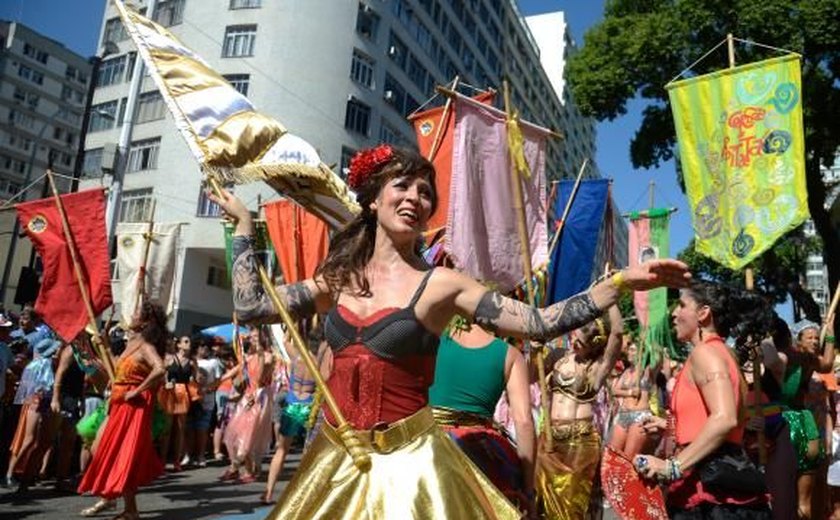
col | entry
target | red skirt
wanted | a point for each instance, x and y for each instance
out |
(125, 458)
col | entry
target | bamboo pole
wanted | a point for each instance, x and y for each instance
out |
(556, 238)
(148, 236)
(349, 437)
(525, 248)
(80, 279)
(442, 123)
(749, 283)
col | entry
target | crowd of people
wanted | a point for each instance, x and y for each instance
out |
(435, 373)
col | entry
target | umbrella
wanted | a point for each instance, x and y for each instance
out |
(224, 331)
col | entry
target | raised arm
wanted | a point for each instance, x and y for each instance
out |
(508, 317)
(250, 301)
(613, 346)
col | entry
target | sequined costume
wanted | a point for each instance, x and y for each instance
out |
(383, 366)
(564, 476)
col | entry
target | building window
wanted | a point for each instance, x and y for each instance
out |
(19, 142)
(357, 117)
(347, 154)
(13, 165)
(389, 134)
(361, 70)
(143, 155)
(239, 81)
(150, 107)
(417, 72)
(30, 75)
(19, 119)
(34, 53)
(111, 71)
(103, 116)
(397, 97)
(114, 31)
(30, 98)
(245, 4)
(92, 164)
(367, 22)
(397, 50)
(217, 275)
(239, 41)
(136, 205)
(206, 207)
(169, 12)
(69, 117)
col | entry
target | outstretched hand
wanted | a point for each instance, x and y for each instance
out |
(657, 273)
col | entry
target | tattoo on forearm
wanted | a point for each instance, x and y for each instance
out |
(249, 298)
(496, 312)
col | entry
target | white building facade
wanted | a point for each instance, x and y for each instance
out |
(342, 74)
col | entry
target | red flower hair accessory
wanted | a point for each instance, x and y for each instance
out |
(366, 162)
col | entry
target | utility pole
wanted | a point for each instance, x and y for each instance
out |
(112, 212)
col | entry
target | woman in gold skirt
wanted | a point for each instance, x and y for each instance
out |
(565, 472)
(385, 309)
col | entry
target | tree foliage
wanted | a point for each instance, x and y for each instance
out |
(642, 44)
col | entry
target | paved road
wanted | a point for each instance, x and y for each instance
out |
(194, 493)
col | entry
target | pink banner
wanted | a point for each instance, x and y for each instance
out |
(481, 231)
(639, 243)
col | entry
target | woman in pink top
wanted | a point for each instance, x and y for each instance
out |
(706, 404)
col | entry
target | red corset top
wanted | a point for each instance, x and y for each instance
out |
(379, 385)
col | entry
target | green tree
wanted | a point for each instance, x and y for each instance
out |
(642, 44)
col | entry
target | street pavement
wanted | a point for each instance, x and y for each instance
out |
(193, 493)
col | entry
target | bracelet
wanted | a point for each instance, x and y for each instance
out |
(618, 280)
(673, 469)
(829, 339)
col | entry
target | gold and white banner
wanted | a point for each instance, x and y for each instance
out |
(160, 264)
(227, 135)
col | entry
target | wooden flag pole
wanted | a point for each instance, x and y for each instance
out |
(80, 279)
(148, 236)
(351, 441)
(829, 317)
(525, 248)
(439, 133)
(749, 283)
(556, 238)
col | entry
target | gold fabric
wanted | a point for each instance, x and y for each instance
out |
(228, 137)
(417, 472)
(459, 418)
(564, 476)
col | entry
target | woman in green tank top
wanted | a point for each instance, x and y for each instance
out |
(472, 371)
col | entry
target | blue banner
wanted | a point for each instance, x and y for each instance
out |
(571, 262)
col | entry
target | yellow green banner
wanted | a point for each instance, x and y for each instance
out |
(742, 151)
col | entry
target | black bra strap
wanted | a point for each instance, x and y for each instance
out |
(420, 288)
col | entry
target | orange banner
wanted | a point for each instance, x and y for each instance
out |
(300, 239)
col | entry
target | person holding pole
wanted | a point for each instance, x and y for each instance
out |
(385, 312)
(125, 458)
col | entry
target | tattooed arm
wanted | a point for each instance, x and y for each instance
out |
(508, 317)
(250, 301)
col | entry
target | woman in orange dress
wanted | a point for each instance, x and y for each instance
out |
(125, 458)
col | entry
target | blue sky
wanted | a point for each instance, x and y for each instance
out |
(75, 23)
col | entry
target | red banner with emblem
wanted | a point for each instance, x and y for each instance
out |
(59, 301)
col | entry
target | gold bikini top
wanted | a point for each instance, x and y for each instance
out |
(580, 389)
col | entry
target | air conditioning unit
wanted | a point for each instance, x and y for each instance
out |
(366, 8)
(392, 51)
(389, 95)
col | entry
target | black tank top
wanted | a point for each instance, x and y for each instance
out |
(73, 381)
(396, 335)
(178, 373)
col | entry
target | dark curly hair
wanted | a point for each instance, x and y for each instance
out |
(151, 325)
(352, 247)
(743, 315)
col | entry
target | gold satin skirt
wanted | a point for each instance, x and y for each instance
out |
(564, 476)
(419, 473)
